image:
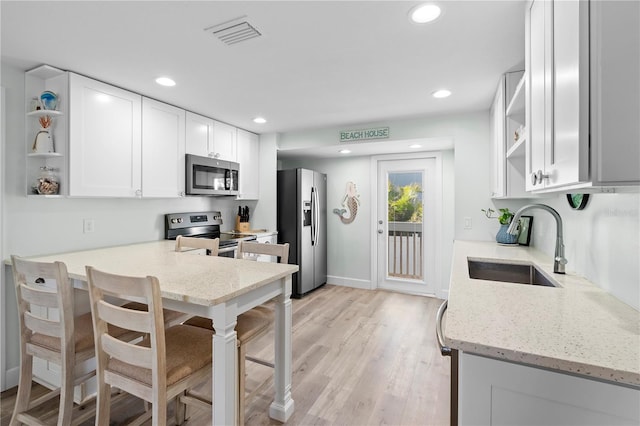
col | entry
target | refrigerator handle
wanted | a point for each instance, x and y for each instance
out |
(316, 219)
(313, 216)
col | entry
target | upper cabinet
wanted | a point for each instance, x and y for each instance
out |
(163, 149)
(98, 140)
(105, 140)
(583, 62)
(224, 141)
(199, 135)
(508, 137)
(249, 160)
(209, 138)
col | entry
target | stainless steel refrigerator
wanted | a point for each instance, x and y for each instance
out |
(302, 222)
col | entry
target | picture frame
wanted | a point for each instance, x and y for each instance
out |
(526, 225)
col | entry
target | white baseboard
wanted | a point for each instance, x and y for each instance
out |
(350, 282)
(11, 377)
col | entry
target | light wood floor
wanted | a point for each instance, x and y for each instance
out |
(359, 358)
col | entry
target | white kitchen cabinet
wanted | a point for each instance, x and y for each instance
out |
(224, 141)
(507, 119)
(104, 140)
(163, 150)
(209, 138)
(249, 160)
(199, 135)
(583, 62)
(494, 392)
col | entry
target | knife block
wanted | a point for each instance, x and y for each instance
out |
(242, 226)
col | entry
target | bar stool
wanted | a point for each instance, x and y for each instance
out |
(66, 340)
(252, 324)
(165, 364)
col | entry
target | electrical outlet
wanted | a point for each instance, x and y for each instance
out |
(467, 223)
(89, 225)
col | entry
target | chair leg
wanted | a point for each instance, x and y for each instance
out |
(24, 387)
(66, 396)
(103, 405)
(181, 409)
(241, 382)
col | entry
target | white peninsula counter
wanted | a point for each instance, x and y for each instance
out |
(215, 287)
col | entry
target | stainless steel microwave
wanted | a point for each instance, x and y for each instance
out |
(210, 176)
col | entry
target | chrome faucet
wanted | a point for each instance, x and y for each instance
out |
(558, 260)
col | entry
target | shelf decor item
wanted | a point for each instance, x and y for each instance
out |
(524, 235)
(48, 182)
(43, 141)
(49, 100)
(503, 237)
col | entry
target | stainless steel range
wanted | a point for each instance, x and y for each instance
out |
(202, 225)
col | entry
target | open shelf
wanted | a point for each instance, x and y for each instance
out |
(44, 154)
(43, 112)
(516, 105)
(517, 150)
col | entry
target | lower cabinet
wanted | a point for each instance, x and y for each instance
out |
(494, 392)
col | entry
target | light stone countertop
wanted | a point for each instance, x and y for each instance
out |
(577, 328)
(207, 280)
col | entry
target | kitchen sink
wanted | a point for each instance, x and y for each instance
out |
(516, 273)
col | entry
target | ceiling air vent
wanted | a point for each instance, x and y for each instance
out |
(234, 32)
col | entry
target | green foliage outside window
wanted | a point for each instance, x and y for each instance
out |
(405, 203)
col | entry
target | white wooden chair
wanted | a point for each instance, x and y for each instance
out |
(211, 244)
(165, 364)
(60, 338)
(252, 324)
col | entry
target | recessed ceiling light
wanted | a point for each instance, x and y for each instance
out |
(424, 13)
(165, 81)
(444, 93)
(344, 151)
(260, 120)
(415, 146)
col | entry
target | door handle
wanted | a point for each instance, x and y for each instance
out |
(380, 231)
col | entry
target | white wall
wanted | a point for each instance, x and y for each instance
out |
(466, 187)
(602, 242)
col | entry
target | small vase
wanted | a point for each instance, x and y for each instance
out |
(503, 237)
(43, 142)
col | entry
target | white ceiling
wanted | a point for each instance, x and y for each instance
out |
(317, 64)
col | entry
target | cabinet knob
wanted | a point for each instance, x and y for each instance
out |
(538, 177)
(138, 193)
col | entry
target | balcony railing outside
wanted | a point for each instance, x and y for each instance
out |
(405, 250)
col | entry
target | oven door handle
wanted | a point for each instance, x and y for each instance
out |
(227, 249)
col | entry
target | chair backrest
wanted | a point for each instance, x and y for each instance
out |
(40, 287)
(102, 285)
(211, 244)
(248, 247)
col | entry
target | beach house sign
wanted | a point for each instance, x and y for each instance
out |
(364, 134)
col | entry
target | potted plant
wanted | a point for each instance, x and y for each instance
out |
(505, 217)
